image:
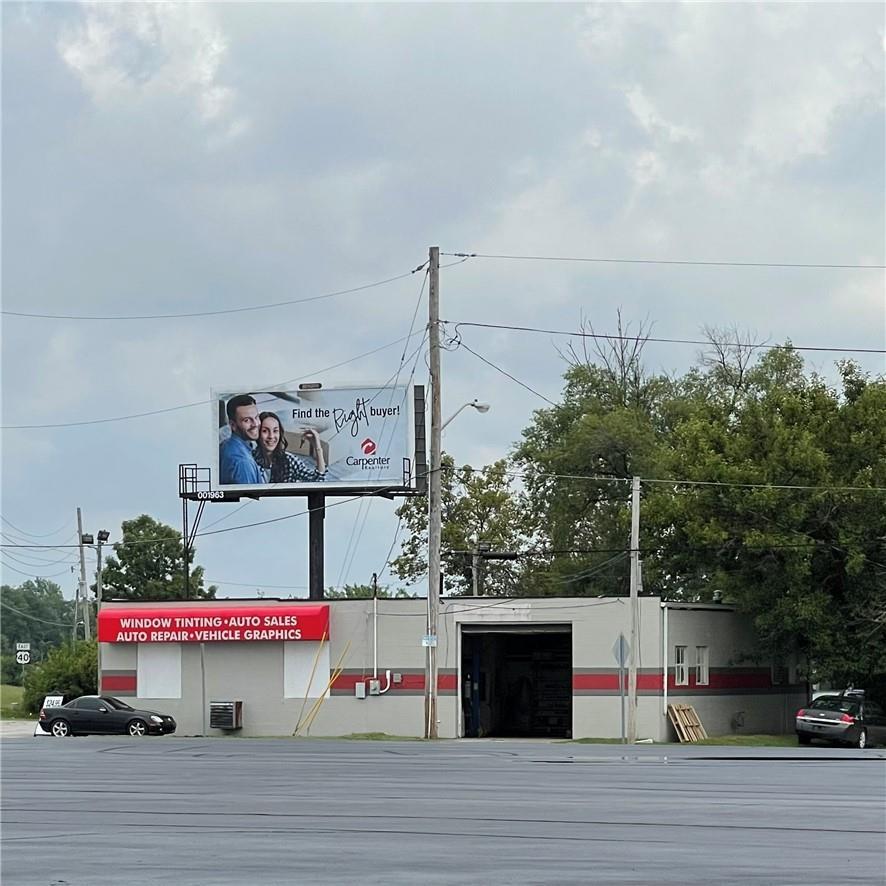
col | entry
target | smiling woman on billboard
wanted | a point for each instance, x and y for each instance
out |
(280, 466)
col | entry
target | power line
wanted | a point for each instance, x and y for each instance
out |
(658, 261)
(56, 624)
(669, 341)
(678, 482)
(99, 421)
(506, 373)
(587, 477)
(62, 528)
(32, 575)
(179, 316)
(363, 509)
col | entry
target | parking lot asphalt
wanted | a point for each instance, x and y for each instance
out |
(100, 810)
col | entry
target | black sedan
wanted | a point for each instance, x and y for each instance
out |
(103, 715)
(842, 719)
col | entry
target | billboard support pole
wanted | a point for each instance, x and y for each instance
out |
(434, 494)
(316, 516)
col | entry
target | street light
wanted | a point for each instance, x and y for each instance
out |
(88, 539)
(476, 404)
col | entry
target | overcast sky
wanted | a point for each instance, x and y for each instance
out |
(184, 158)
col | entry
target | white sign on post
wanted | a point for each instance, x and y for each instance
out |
(51, 701)
(22, 647)
(23, 657)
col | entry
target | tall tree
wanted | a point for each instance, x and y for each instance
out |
(150, 563)
(37, 613)
(477, 505)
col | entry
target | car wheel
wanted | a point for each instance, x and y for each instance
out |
(803, 739)
(862, 740)
(60, 728)
(138, 727)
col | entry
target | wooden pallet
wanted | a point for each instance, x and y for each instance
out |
(686, 722)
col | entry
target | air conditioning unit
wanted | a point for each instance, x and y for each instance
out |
(226, 714)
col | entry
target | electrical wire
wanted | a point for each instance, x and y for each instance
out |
(671, 341)
(658, 261)
(242, 310)
(363, 509)
(99, 421)
(31, 574)
(506, 373)
(56, 624)
(34, 534)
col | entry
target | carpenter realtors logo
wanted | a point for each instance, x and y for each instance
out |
(370, 461)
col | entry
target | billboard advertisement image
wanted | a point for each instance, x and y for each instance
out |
(310, 437)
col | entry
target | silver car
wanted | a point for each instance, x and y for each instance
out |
(842, 719)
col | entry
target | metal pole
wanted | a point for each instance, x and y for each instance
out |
(98, 609)
(82, 590)
(475, 570)
(635, 605)
(434, 493)
(316, 516)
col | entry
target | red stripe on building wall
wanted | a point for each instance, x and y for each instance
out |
(732, 678)
(118, 683)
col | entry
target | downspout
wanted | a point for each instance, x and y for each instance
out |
(664, 659)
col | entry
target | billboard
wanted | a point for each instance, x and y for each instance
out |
(313, 438)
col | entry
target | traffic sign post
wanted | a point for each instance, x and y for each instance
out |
(621, 650)
(23, 657)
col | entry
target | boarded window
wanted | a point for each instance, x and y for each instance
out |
(305, 669)
(159, 670)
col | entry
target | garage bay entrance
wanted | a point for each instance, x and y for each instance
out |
(516, 681)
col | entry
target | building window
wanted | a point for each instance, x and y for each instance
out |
(681, 668)
(780, 672)
(702, 677)
(159, 670)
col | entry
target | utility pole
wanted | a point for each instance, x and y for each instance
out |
(635, 606)
(434, 497)
(98, 609)
(82, 600)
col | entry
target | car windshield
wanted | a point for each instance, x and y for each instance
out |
(116, 703)
(836, 703)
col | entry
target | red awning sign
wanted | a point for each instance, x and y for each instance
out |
(212, 624)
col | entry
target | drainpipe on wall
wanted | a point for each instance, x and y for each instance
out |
(664, 660)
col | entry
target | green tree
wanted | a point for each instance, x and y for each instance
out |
(807, 563)
(477, 505)
(68, 670)
(33, 612)
(363, 592)
(612, 423)
(149, 565)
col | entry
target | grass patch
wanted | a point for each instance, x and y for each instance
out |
(377, 736)
(752, 741)
(10, 703)
(742, 741)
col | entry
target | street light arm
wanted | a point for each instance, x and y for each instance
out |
(480, 407)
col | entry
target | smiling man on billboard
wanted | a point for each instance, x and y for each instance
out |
(235, 456)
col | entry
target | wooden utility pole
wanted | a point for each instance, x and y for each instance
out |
(635, 606)
(434, 497)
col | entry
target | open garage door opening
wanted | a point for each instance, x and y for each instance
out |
(516, 681)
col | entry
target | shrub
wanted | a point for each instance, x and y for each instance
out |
(68, 670)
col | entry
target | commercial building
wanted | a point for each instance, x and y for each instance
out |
(534, 667)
